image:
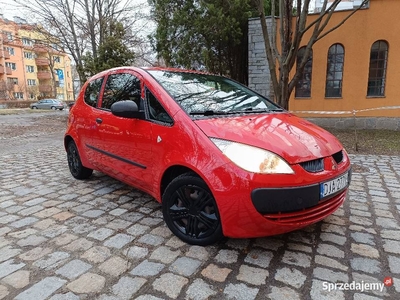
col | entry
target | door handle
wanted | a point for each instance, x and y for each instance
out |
(99, 121)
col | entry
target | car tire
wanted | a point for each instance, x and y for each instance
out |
(190, 211)
(34, 107)
(61, 109)
(74, 163)
(53, 108)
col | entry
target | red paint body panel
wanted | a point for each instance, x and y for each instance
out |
(186, 143)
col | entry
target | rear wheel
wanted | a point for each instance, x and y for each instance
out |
(53, 108)
(74, 163)
(190, 211)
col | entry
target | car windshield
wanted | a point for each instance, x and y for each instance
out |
(203, 94)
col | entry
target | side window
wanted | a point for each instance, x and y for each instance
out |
(156, 111)
(121, 87)
(92, 92)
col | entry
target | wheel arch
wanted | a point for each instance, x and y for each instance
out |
(172, 172)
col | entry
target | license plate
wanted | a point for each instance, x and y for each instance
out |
(333, 186)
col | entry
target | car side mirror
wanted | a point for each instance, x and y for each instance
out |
(127, 109)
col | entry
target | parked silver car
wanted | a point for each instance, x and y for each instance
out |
(48, 104)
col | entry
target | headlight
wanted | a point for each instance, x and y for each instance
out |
(253, 159)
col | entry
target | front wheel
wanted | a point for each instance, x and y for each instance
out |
(34, 107)
(190, 211)
(74, 163)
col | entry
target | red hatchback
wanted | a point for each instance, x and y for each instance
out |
(222, 160)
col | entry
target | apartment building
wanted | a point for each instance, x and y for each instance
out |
(32, 65)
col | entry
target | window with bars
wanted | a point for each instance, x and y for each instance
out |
(377, 69)
(334, 71)
(303, 86)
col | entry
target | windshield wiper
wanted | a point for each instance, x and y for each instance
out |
(251, 110)
(208, 112)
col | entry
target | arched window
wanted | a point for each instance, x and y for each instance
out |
(334, 71)
(377, 69)
(303, 86)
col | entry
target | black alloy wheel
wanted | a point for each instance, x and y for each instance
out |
(74, 163)
(190, 211)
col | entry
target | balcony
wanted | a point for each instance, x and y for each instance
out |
(4, 54)
(40, 49)
(43, 75)
(8, 71)
(45, 88)
(2, 70)
(42, 61)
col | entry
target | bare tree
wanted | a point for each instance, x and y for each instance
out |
(80, 25)
(292, 24)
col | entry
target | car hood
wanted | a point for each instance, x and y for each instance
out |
(294, 139)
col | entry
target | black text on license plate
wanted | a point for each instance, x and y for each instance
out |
(333, 186)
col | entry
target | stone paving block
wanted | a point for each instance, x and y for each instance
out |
(365, 238)
(330, 276)
(330, 262)
(216, 273)
(118, 241)
(318, 292)
(227, 256)
(200, 290)
(44, 224)
(136, 253)
(365, 264)
(161, 231)
(118, 224)
(240, 291)
(30, 210)
(126, 287)
(150, 239)
(32, 240)
(93, 213)
(81, 244)
(52, 261)
(101, 234)
(297, 259)
(64, 239)
(137, 229)
(54, 231)
(3, 292)
(18, 279)
(283, 293)
(35, 254)
(115, 266)
(8, 252)
(254, 276)
(291, 276)
(42, 289)
(163, 284)
(330, 250)
(66, 296)
(185, 266)
(198, 252)
(97, 254)
(88, 283)
(147, 268)
(62, 216)
(365, 250)
(24, 222)
(73, 269)
(260, 258)
(165, 254)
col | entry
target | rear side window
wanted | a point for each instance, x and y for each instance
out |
(119, 87)
(93, 91)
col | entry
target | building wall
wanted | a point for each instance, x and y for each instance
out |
(379, 22)
(29, 83)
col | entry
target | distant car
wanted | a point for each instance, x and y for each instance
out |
(48, 104)
(222, 159)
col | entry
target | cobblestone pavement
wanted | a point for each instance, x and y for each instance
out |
(61, 238)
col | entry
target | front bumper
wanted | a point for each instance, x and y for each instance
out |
(284, 200)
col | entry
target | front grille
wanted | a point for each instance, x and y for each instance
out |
(312, 214)
(338, 156)
(313, 166)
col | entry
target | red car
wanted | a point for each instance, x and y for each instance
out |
(222, 159)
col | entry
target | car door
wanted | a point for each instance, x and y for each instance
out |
(42, 104)
(86, 119)
(124, 144)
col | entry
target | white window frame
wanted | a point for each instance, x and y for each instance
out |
(31, 82)
(30, 69)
